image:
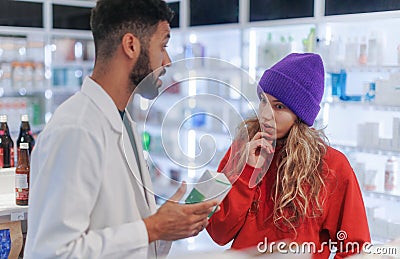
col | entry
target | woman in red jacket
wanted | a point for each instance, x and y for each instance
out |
(293, 186)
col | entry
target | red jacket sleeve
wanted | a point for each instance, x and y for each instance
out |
(346, 219)
(227, 222)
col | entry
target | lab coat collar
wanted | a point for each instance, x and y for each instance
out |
(143, 174)
(103, 101)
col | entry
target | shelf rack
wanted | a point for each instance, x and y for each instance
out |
(9, 211)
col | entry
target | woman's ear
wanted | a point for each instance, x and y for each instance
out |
(130, 46)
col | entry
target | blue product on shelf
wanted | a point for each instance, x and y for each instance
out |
(339, 87)
(354, 98)
(5, 243)
(339, 83)
(335, 82)
(59, 76)
(73, 76)
(370, 95)
(198, 119)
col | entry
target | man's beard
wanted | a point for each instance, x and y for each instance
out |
(148, 86)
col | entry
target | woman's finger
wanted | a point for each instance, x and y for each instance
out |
(261, 134)
(261, 143)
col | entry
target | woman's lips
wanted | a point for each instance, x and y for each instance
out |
(267, 128)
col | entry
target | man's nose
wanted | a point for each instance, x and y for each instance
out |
(166, 60)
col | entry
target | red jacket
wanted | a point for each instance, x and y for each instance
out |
(343, 213)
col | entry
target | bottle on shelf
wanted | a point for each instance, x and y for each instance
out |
(22, 175)
(391, 170)
(369, 91)
(28, 75)
(38, 76)
(373, 49)
(362, 56)
(6, 144)
(352, 48)
(310, 41)
(18, 72)
(25, 133)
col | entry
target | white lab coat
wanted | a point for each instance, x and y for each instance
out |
(87, 199)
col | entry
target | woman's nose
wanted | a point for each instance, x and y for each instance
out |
(267, 113)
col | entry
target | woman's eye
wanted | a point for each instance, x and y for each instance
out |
(280, 106)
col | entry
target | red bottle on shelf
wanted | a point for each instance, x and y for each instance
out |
(22, 175)
(6, 144)
(25, 133)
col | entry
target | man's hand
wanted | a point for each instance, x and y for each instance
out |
(174, 221)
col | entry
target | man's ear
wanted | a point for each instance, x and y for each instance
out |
(130, 46)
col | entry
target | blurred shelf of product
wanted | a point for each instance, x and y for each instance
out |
(43, 63)
(72, 60)
(370, 137)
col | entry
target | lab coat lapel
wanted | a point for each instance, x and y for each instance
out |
(134, 168)
(104, 102)
(145, 175)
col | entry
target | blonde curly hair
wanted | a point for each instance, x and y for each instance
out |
(299, 182)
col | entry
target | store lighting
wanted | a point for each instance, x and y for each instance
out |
(192, 144)
(48, 94)
(47, 54)
(47, 73)
(78, 50)
(193, 38)
(22, 91)
(328, 35)
(22, 51)
(192, 83)
(78, 73)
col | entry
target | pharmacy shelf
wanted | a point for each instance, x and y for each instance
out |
(22, 92)
(364, 105)
(372, 68)
(395, 197)
(376, 151)
(9, 211)
(88, 64)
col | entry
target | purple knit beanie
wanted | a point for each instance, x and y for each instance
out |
(298, 82)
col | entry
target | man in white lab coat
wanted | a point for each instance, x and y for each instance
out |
(90, 190)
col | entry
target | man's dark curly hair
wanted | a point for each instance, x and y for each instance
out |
(112, 19)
